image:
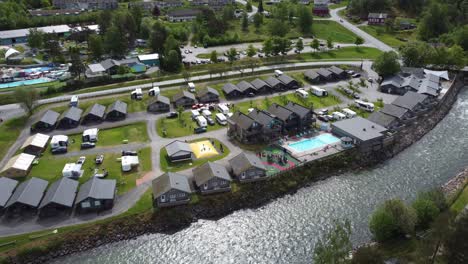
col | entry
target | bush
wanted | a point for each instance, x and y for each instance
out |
(426, 212)
(391, 220)
(367, 255)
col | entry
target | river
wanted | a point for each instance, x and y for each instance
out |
(286, 230)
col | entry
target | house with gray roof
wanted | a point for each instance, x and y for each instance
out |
(365, 134)
(412, 79)
(171, 189)
(288, 82)
(47, 122)
(325, 75)
(94, 114)
(260, 86)
(271, 125)
(159, 104)
(7, 187)
(312, 76)
(184, 99)
(387, 121)
(414, 102)
(275, 84)
(212, 178)
(306, 115)
(291, 120)
(398, 112)
(181, 15)
(70, 118)
(232, 91)
(27, 196)
(248, 167)
(178, 151)
(244, 128)
(59, 197)
(377, 18)
(116, 111)
(208, 95)
(338, 73)
(96, 195)
(246, 87)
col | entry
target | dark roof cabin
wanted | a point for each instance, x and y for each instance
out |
(338, 73)
(312, 76)
(159, 104)
(94, 114)
(212, 178)
(171, 189)
(59, 197)
(184, 99)
(261, 86)
(178, 151)
(246, 87)
(70, 118)
(288, 82)
(47, 122)
(325, 75)
(231, 91)
(208, 95)
(384, 120)
(248, 167)
(27, 196)
(7, 187)
(116, 111)
(275, 84)
(96, 195)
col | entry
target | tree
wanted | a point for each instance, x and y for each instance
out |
(156, 11)
(104, 21)
(315, 44)
(334, 247)
(35, 38)
(137, 14)
(329, 43)
(367, 255)
(299, 45)
(77, 66)
(358, 41)
(251, 50)
(114, 44)
(456, 244)
(305, 20)
(278, 27)
(214, 56)
(426, 211)
(248, 7)
(260, 7)
(245, 22)
(257, 20)
(268, 46)
(281, 45)
(157, 37)
(26, 97)
(232, 55)
(95, 47)
(252, 63)
(180, 110)
(434, 21)
(416, 53)
(171, 61)
(387, 64)
(186, 75)
(391, 220)
(456, 57)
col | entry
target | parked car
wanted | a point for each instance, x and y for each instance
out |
(129, 153)
(81, 160)
(99, 159)
(356, 75)
(356, 96)
(199, 130)
(172, 115)
(250, 95)
(210, 121)
(323, 118)
(87, 145)
(323, 112)
(101, 174)
(59, 150)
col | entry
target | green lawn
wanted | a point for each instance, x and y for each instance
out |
(114, 136)
(324, 29)
(9, 132)
(166, 165)
(335, 6)
(179, 127)
(461, 201)
(50, 168)
(394, 39)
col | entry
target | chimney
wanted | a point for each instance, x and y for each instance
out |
(364, 129)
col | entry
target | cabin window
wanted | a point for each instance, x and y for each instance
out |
(85, 205)
(163, 198)
(172, 196)
(205, 186)
(243, 175)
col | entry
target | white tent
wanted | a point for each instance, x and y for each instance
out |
(440, 74)
(11, 52)
(128, 162)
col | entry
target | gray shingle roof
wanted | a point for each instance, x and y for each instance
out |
(409, 100)
(118, 106)
(97, 189)
(244, 161)
(29, 192)
(360, 128)
(161, 99)
(377, 15)
(258, 84)
(183, 12)
(286, 79)
(311, 74)
(324, 72)
(50, 117)
(280, 111)
(107, 64)
(183, 94)
(207, 90)
(394, 110)
(209, 170)
(262, 117)
(298, 109)
(336, 70)
(7, 186)
(229, 88)
(176, 146)
(382, 119)
(168, 181)
(96, 110)
(242, 120)
(61, 192)
(272, 81)
(243, 86)
(73, 113)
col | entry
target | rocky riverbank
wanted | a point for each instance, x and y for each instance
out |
(252, 195)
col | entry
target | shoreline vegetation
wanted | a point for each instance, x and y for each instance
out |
(76, 239)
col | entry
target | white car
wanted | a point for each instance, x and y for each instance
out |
(81, 160)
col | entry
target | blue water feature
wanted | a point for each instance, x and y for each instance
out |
(37, 69)
(26, 82)
(314, 143)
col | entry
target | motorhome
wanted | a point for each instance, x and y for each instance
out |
(74, 101)
(206, 113)
(221, 119)
(349, 113)
(90, 135)
(302, 93)
(201, 121)
(222, 108)
(137, 94)
(369, 107)
(278, 73)
(195, 113)
(154, 91)
(191, 87)
(338, 116)
(318, 91)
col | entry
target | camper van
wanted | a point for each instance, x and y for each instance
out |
(191, 87)
(369, 107)
(90, 135)
(195, 113)
(206, 113)
(201, 121)
(278, 73)
(302, 93)
(318, 91)
(74, 101)
(337, 116)
(154, 91)
(222, 108)
(349, 113)
(221, 119)
(137, 94)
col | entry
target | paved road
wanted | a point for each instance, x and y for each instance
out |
(254, 8)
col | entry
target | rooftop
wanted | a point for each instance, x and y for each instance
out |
(360, 128)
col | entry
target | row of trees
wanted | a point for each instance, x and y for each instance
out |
(419, 54)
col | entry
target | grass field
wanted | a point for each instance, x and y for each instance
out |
(179, 127)
(335, 6)
(166, 165)
(9, 132)
(114, 136)
(50, 168)
(461, 201)
(324, 29)
(394, 39)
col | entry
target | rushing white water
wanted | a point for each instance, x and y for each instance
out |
(286, 230)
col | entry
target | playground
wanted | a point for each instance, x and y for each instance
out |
(203, 149)
(276, 160)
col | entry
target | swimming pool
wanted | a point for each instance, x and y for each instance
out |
(314, 143)
(26, 82)
(37, 69)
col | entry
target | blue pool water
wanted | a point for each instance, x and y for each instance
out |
(26, 82)
(314, 143)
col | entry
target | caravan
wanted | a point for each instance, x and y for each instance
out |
(74, 101)
(154, 91)
(369, 107)
(137, 94)
(278, 73)
(90, 135)
(201, 121)
(221, 119)
(318, 91)
(349, 113)
(337, 116)
(223, 109)
(191, 87)
(302, 93)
